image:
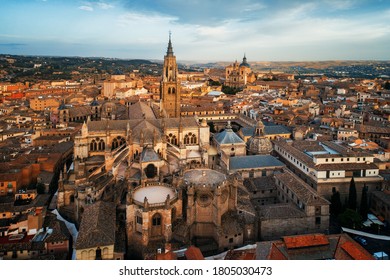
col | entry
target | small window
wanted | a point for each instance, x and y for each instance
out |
(318, 220)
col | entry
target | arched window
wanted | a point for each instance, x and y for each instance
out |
(156, 220)
(114, 144)
(84, 255)
(105, 253)
(101, 145)
(156, 225)
(98, 255)
(172, 139)
(91, 254)
(186, 140)
(173, 90)
(193, 139)
(93, 145)
(169, 90)
(118, 141)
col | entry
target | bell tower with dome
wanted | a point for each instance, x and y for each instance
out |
(259, 144)
(170, 85)
(237, 74)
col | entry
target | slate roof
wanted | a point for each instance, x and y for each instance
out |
(133, 123)
(60, 231)
(260, 183)
(228, 136)
(280, 211)
(148, 155)
(268, 130)
(97, 226)
(253, 161)
(141, 110)
(302, 190)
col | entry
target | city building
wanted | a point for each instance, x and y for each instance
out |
(327, 166)
(237, 75)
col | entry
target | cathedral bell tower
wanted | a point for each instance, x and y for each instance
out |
(170, 84)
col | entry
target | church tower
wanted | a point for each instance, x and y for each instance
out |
(170, 84)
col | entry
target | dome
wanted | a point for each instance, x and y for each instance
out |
(259, 145)
(244, 63)
(200, 177)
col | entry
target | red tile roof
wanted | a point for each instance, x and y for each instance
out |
(194, 253)
(355, 252)
(301, 241)
(276, 254)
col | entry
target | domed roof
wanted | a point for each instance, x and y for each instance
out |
(205, 176)
(244, 62)
(228, 136)
(259, 145)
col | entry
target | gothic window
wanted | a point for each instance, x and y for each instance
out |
(93, 145)
(119, 141)
(173, 91)
(114, 144)
(186, 139)
(193, 139)
(101, 145)
(172, 139)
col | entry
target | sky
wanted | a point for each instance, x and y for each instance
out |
(202, 30)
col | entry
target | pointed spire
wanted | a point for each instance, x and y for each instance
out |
(170, 49)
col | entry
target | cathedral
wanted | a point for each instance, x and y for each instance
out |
(155, 167)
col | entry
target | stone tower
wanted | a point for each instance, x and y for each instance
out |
(170, 84)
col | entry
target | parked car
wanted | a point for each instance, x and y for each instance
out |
(361, 240)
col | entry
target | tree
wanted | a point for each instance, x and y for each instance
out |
(335, 206)
(352, 195)
(350, 219)
(364, 203)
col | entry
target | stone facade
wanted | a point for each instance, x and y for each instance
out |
(237, 74)
(170, 85)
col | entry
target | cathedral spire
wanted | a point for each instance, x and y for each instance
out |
(170, 49)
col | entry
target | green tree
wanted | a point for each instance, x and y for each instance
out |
(364, 203)
(350, 219)
(352, 195)
(335, 206)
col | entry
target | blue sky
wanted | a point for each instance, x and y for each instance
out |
(203, 30)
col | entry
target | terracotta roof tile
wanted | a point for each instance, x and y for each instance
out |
(194, 253)
(301, 241)
(276, 254)
(355, 252)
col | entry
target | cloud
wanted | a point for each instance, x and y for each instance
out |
(104, 6)
(86, 8)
